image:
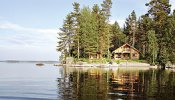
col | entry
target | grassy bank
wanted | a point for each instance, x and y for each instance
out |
(105, 60)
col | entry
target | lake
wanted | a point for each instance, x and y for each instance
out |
(26, 81)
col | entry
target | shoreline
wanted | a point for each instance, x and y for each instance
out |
(114, 65)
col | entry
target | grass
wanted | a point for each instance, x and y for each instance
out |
(105, 60)
(139, 61)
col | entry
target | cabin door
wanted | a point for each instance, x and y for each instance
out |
(126, 56)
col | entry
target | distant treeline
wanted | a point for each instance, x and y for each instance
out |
(19, 61)
(87, 31)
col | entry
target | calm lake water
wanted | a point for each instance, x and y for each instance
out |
(25, 81)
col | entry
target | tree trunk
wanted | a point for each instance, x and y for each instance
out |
(143, 50)
(78, 49)
(133, 39)
(108, 48)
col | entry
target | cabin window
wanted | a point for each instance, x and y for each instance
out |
(134, 54)
(127, 49)
(119, 55)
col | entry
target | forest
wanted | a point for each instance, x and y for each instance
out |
(87, 31)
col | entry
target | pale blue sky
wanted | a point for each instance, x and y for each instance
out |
(28, 28)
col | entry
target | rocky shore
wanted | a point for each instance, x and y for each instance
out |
(122, 65)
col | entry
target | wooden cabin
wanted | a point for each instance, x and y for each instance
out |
(126, 52)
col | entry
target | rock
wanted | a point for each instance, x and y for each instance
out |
(69, 60)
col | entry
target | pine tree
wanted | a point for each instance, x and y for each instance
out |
(170, 33)
(117, 36)
(159, 12)
(102, 35)
(76, 27)
(144, 25)
(131, 28)
(101, 30)
(98, 19)
(65, 37)
(106, 6)
(88, 31)
(152, 47)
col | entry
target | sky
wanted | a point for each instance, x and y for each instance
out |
(28, 28)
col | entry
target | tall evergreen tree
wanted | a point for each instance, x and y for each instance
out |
(170, 33)
(117, 36)
(106, 6)
(102, 30)
(98, 19)
(144, 25)
(152, 47)
(88, 31)
(76, 27)
(159, 12)
(131, 28)
(102, 35)
(65, 37)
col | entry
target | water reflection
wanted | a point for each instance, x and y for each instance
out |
(102, 84)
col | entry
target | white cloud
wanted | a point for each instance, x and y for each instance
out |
(11, 26)
(15, 27)
(1, 17)
(172, 2)
(15, 34)
(47, 31)
(112, 21)
(121, 22)
(27, 43)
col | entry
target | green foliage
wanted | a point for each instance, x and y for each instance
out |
(159, 11)
(117, 36)
(170, 40)
(106, 6)
(102, 34)
(87, 31)
(130, 28)
(144, 25)
(152, 46)
(102, 60)
(65, 37)
(75, 50)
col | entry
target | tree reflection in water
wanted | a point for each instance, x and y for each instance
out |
(102, 84)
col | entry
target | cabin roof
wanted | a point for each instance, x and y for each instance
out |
(125, 45)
